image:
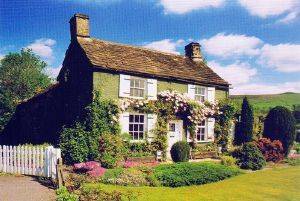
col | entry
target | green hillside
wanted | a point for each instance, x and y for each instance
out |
(263, 103)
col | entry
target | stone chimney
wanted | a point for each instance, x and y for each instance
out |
(79, 26)
(193, 52)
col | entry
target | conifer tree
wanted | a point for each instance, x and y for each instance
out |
(244, 129)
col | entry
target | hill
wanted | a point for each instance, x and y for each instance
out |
(262, 103)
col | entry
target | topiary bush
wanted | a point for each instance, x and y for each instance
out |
(280, 125)
(187, 174)
(111, 150)
(73, 144)
(180, 152)
(271, 150)
(249, 157)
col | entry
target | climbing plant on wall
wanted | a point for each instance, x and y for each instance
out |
(224, 122)
(170, 105)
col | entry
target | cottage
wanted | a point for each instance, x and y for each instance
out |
(117, 71)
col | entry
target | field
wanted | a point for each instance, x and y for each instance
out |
(262, 103)
(266, 185)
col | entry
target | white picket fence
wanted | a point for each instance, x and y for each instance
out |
(29, 160)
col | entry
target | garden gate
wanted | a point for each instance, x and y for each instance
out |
(29, 160)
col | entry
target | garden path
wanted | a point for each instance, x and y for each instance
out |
(20, 188)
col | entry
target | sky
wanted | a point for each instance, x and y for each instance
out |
(254, 45)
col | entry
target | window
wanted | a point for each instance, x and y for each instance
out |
(137, 126)
(201, 131)
(137, 87)
(172, 127)
(200, 94)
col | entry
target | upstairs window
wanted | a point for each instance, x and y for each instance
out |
(137, 87)
(200, 94)
(201, 131)
(137, 126)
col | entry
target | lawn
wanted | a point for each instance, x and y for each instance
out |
(271, 184)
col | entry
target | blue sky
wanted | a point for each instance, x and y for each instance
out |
(255, 45)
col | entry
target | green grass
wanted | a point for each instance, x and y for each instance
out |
(265, 185)
(262, 103)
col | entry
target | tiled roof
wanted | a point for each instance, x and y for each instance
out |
(138, 60)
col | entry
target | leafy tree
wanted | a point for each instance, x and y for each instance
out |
(280, 125)
(21, 77)
(244, 131)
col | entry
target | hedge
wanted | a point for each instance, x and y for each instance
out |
(186, 174)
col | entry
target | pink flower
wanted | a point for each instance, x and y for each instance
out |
(96, 172)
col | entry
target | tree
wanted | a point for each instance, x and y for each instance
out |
(244, 132)
(280, 125)
(21, 77)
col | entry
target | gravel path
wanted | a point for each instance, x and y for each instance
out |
(22, 188)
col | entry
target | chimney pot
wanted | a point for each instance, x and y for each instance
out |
(193, 51)
(79, 26)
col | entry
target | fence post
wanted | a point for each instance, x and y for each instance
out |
(1, 164)
(4, 158)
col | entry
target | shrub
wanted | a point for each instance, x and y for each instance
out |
(186, 174)
(180, 152)
(297, 137)
(73, 144)
(209, 147)
(293, 161)
(140, 149)
(249, 157)
(130, 177)
(228, 161)
(297, 147)
(92, 168)
(271, 150)
(280, 125)
(91, 193)
(64, 195)
(111, 149)
(244, 132)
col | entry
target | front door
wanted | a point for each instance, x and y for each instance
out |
(174, 135)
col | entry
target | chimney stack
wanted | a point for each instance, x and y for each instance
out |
(193, 51)
(79, 26)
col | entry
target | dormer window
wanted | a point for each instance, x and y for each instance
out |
(200, 94)
(137, 87)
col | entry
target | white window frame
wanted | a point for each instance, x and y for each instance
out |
(132, 79)
(200, 95)
(205, 132)
(131, 133)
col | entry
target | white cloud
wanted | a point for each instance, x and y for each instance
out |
(266, 8)
(165, 45)
(53, 72)
(43, 47)
(288, 18)
(263, 88)
(282, 57)
(231, 45)
(185, 6)
(236, 73)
